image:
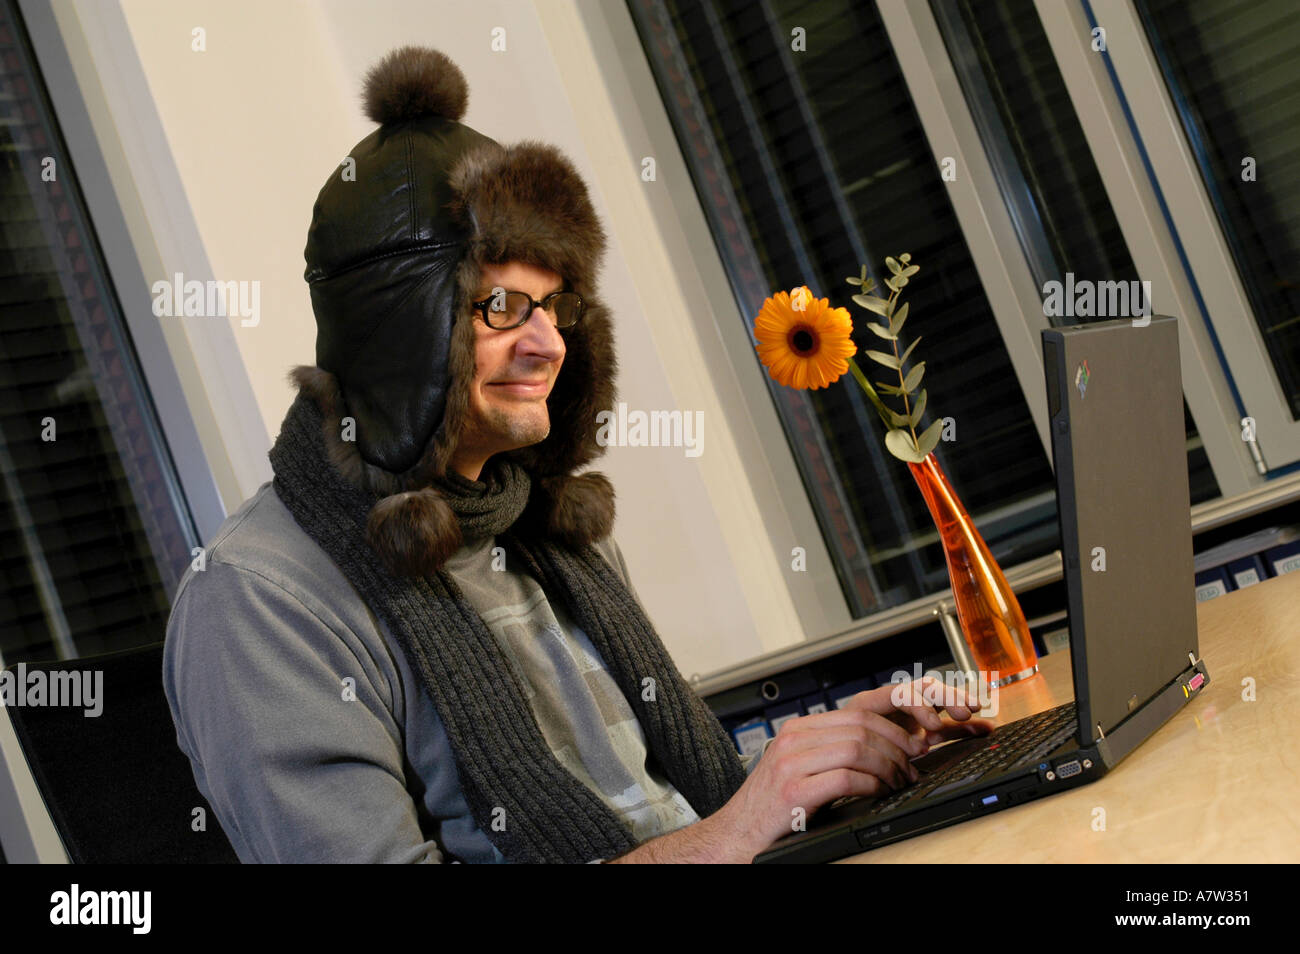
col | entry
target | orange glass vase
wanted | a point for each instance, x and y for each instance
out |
(990, 615)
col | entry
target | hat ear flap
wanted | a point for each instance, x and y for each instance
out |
(413, 533)
(574, 510)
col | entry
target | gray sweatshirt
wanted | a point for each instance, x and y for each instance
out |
(313, 740)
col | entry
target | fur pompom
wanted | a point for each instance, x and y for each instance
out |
(577, 510)
(414, 81)
(414, 533)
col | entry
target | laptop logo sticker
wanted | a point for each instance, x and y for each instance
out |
(1081, 377)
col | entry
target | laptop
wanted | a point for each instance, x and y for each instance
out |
(1115, 403)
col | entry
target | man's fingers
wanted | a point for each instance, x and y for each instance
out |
(911, 745)
(906, 738)
(823, 750)
(884, 701)
(960, 730)
(906, 715)
(920, 698)
(827, 786)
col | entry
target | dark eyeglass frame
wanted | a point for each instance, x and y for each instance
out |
(533, 305)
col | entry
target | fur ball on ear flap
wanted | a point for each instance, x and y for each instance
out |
(576, 510)
(413, 533)
(412, 82)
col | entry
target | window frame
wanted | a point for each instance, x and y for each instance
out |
(1000, 258)
(133, 192)
(1192, 257)
(1208, 250)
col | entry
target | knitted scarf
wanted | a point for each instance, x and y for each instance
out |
(527, 804)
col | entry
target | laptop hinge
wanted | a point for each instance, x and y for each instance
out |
(1143, 723)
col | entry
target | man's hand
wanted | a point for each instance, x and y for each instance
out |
(864, 748)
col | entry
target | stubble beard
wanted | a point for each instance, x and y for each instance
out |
(519, 429)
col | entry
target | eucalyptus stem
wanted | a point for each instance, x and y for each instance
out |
(897, 435)
(907, 409)
(871, 393)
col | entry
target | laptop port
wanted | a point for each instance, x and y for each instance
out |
(1068, 769)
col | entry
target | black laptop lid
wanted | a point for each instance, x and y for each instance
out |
(1116, 405)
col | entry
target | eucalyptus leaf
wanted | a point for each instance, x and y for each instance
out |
(914, 377)
(872, 303)
(896, 419)
(882, 331)
(853, 281)
(915, 417)
(900, 316)
(910, 271)
(888, 360)
(929, 439)
(903, 360)
(889, 283)
(900, 281)
(893, 265)
(868, 284)
(905, 257)
(899, 443)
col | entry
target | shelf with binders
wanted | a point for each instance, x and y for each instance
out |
(1247, 560)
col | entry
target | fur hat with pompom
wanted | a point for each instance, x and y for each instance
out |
(399, 234)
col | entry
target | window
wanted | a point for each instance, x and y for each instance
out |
(1045, 170)
(94, 531)
(809, 165)
(1233, 71)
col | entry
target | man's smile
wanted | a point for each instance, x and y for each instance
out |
(522, 388)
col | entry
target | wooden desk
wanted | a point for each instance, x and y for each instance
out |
(1217, 783)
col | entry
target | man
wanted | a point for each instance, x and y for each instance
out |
(419, 642)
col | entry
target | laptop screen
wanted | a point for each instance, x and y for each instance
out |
(1119, 449)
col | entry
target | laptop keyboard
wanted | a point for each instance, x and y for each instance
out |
(1011, 746)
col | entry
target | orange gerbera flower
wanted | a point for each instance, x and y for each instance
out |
(804, 347)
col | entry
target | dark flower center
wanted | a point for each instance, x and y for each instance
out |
(803, 342)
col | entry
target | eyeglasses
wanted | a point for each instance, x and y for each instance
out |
(510, 309)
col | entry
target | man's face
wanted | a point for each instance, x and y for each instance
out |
(516, 371)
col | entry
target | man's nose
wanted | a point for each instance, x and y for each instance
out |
(541, 337)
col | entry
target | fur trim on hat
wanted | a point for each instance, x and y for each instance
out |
(527, 203)
(413, 82)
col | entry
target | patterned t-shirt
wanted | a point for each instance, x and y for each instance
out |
(580, 709)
